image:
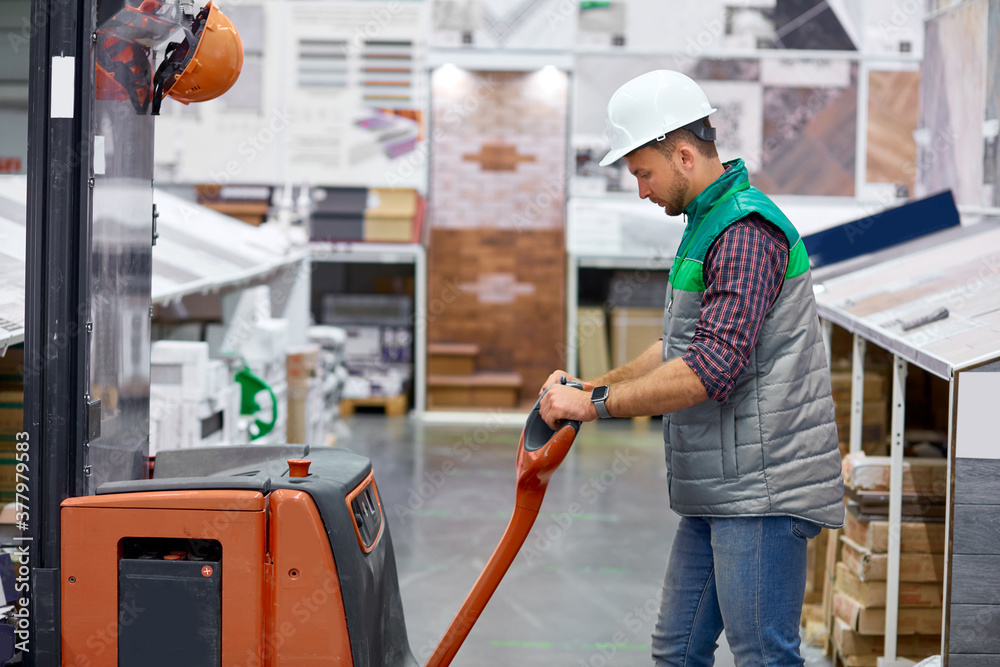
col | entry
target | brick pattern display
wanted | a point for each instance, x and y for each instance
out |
(518, 319)
(498, 156)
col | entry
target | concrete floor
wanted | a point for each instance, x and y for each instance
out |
(584, 591)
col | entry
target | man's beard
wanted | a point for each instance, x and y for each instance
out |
(674, 202)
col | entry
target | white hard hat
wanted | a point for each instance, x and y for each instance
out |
(651, 105)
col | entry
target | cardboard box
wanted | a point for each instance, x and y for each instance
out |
(832, 556)
(397, 344)
(633, 330)
(12, 366)
(380, 230)
(301, 363)
(915, 536)
(876, 384)
(868, 566)
(267, 342)
(815, 632)
(482, 390)
(816, 567)
(872, 411)
(391, 203)
(451, 358)
(11, 411)
(302, 410)
(594, 354)
(8, 468)
(364, 344)
(858, 650)
(182, 424)
(873, 593)
(871, 473)
(179, 370)
(871, 620)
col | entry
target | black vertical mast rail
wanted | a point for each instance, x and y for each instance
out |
(57, 297)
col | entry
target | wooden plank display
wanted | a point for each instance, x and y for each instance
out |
(504, 291)
(859, 650)
(914, 536)
(871, 620)
(868, 566)
(873, 593)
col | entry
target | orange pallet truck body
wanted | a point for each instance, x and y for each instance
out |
(260, 556)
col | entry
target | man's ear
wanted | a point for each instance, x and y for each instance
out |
(686, 154)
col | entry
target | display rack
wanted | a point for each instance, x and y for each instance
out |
(880, 299)
(199, 250)
(391, 253)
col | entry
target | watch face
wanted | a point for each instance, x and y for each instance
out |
(599, 394)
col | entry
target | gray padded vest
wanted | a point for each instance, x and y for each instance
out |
(771, 449)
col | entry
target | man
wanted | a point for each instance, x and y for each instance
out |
(741, 380)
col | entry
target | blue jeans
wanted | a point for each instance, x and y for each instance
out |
(744, 575)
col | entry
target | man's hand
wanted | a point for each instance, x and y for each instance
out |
(561, 403)
(557, 376)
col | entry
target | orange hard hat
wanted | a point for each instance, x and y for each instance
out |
(204, 69)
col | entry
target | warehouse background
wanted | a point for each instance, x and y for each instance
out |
(426, 211)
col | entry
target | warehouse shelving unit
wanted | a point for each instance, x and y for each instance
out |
(876, 298)
(391, 253)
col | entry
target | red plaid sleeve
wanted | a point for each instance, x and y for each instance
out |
(744, 270)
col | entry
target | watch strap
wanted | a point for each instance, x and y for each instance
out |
(602, 410)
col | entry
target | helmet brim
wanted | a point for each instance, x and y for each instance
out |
(617, 154)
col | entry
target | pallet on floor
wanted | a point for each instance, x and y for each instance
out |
(394, 406)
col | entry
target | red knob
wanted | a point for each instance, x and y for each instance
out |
(298, 467)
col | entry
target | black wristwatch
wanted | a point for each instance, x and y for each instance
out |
(597, 397)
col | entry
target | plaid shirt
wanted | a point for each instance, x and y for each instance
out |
(744, 270)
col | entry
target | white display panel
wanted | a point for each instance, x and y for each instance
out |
(337, 96)
(976, 433)
(504, 24)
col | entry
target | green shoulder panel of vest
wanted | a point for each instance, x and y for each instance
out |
(688, 274)
(688, 277)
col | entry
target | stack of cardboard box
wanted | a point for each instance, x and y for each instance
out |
(380, 215)
(857, 603)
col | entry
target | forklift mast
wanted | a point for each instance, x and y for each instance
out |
(88, 274)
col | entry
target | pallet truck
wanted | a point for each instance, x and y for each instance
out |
(261, 556)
